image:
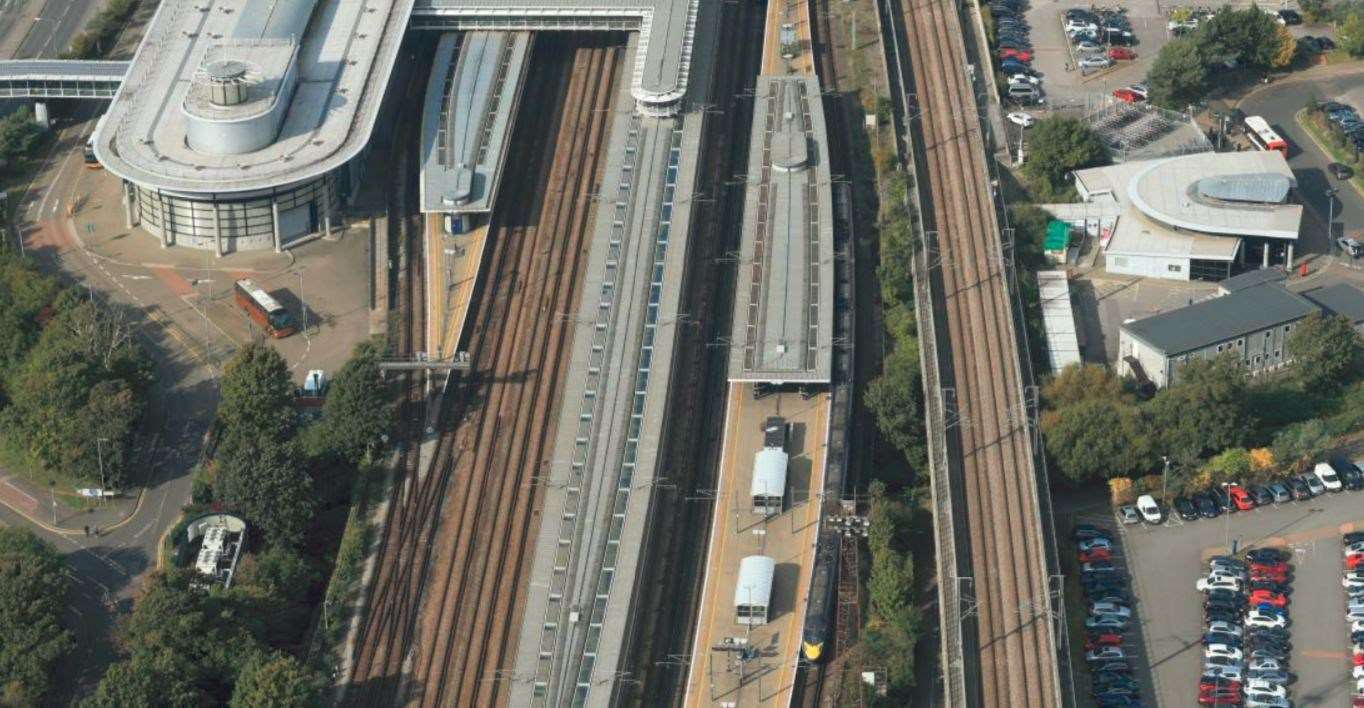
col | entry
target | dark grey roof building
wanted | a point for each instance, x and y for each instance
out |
(1252, 322)
(1250, 279)
(1340, 299)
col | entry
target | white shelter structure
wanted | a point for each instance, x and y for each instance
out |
(753, 592)
(768, 488)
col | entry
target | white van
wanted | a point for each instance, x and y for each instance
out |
(1327, 474)
(1150, 510)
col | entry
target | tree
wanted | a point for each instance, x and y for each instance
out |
(1058, 146)
(1350, 34)
(894, 620)
(18, 134)
(1083, 382)
(1244, 36)
(1313, 10)
(1285, 48)
(257, 395)
(1205, 410)
(895, 398)
(358, 410)
(278, 681)
(1325, 351)
(1178, 76)
(33, 587)
(266, 482)
(1097, 438)
(1229, 466)
(1300, 442)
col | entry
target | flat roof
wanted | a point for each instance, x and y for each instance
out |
(1173, 191)
(1135, 235)
(783, 324)
(1058, 319)
(343, 63)
(1251, 278)
(471, 100)
(666, 27)
(1340, 299)
(62, 69)
(1220, 319)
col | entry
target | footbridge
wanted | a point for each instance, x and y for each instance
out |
(55, 78)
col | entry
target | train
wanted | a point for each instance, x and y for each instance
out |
(819, 611)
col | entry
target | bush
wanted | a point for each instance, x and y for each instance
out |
(1121, 491)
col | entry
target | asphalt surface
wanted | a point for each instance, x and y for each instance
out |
(1165, 561)
(50, 32)
(1279, 103)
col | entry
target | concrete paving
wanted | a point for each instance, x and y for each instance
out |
(1165, 561)
(1065, 85)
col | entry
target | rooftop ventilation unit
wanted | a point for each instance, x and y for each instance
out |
(228, 82)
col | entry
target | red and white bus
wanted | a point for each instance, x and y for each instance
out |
(264, 310)
(1263, 136)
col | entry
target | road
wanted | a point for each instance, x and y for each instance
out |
(49, 32)
(1278, 103)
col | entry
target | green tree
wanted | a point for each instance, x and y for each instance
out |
(1246, 36)
(894, 621)
(266, 482)
(1097, 438)
(33, 587)
(1178, 76)
(1285, 48)
(1325, 351)
(1205, 411)
(1058, 146)
(895, 398)
(358, 410)
(144, 681)
(257, 395)
(1083, 382)
(1300, 442)
(1313, 10)
(18, 134)
(1350, 34)
(275, 588)
(279, 681)
(1228, 466)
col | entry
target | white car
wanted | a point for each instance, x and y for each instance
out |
(1358, 673)
(1095, 61)
(1020, 118)
(1224, 627)
(1353, 579)
(1073, 26)
(1267, 664)
(1267, 702)
(1229, 672)
(1222, 651)
(1327, 474)
(1356, 547)
(1260, 688)
(1149, 509)
(1109, 608)
(1088, 47)
(1218, 582)
(1357, 626)
(1141, 90)
(1189, 24)
(1025, 79)
(1354, 614)
(1260, 618)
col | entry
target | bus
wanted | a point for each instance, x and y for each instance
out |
(91, 161)
(1263, 136)
(263, 309)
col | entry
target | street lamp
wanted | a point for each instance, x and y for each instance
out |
(1226, 527)
(1164, 475)
(99, 450)
(1330, 214)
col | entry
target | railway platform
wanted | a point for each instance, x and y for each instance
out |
(721, 672)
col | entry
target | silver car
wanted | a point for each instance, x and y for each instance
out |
(1095, 62)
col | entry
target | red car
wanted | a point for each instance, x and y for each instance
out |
(1207, 685)
(1358, 659)
(1258, 597)
(1241, 498)
(1272, 577)
(1094, 554)
(1270, 567)
(1022, 55)
(1107, 639)
(1128, 96)
(1219, 698)
(1354, 561)
(1121, 53)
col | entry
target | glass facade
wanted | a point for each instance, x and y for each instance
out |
(247, 222)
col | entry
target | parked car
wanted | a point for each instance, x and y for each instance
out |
(1260, 494)
(1109, 608)
(1127, 95)
(1121, 54)
(1098, 566)
(1149, 509)
(1326, 474)
(1095, 62)
(1090, 544)
(1014, 65)
(1223, 582)
(1314, 484)
(1128, 515)
(1266, 596)
(1352, 477)
(1222, 498)
(1185, 508)
(1260, 618)
(1085, 532)
(1241, 498)
(1342, 172)
(1089, 46)
(1225, 627)
(1299, 488)
(1207, 508)
(1289, 17)
(1102, 639)
(1106, 622)
(1281, 492)
(1020, 118)
(1019, 54)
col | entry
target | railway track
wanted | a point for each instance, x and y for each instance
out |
(443, 614)
(991, 452)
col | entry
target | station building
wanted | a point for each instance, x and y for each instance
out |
(238, 122)
(1204, 216)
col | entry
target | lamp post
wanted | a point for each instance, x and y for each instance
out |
(1330, 214)
(99, 450)
(1164, 476)
(1226, 526)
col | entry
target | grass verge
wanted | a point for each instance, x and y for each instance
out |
(1326, 145)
